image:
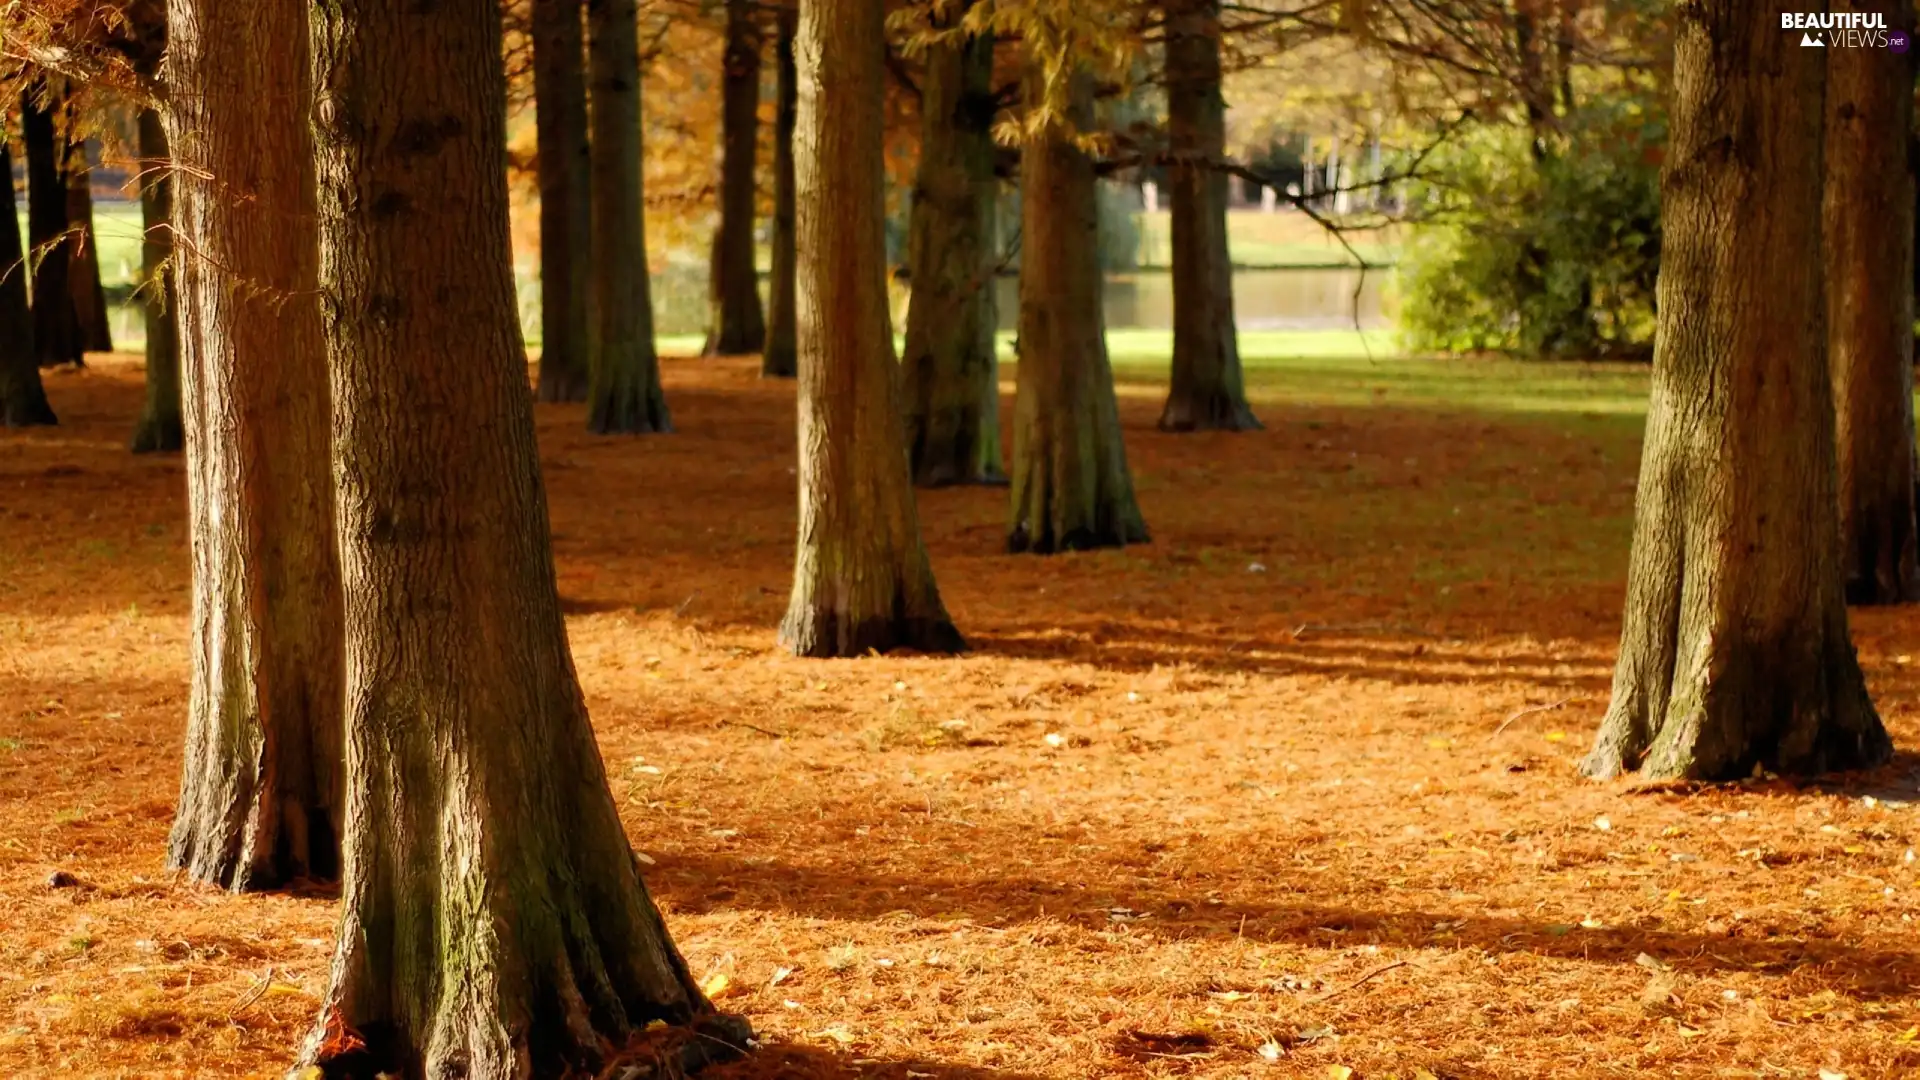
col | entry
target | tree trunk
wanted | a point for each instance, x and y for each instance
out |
(159, 428)
(1207, 393)
(1869, 221)
(952, 373)
(1071, 487)
(83, 276)
(861, 579)
(736, 327)
(56, 326)
(260, 790)
(23, 400)
(566, 224)
(625, 397)
(494, 924)
(777, 360)
(1735, 652)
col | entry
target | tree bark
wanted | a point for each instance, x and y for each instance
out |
(952, 372)
(56, 325)
(625, 397)
(159, 429)
(23, 400)
(861, 579)
(1207, 392)
(1071, 487)
(1869, 221)
(777, 360)
(83, 278)
(260, 790)
(736, 326)
(1735, 652)
(494, 924)
(566, 224)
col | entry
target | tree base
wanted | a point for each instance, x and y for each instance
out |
(823, 634)
(1023, 541)
(638, 412)
(28, 413)
(929, 475)
(779, 364)
(665, 1053)
(157, 437)
(1215, 413)
(561, 387)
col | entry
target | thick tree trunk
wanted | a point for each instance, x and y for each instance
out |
(159, 428)
(736, 326)
(1869, 220)
(777, 360)
(625, 397)
(1207, 393)
(1735, 652)
(56, 325)
(952, 374)
(23, 400)
(1071, 487)
(494, 924)
(566, 223)
(83, 276)
(260, 791)
(861, 579)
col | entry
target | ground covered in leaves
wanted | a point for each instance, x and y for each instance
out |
(1288, 792)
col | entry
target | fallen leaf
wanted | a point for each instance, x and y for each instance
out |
(837, 1034)
(1271, 1050)
(779, 976)
(715, 985)
(1339, 1072)
(1908, 1035)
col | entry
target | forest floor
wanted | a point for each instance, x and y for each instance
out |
(1288, 792)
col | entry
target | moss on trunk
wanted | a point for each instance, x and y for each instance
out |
(861, 577)
(952, 372)
(1735, 651)
(566, 224)
(1071, 486)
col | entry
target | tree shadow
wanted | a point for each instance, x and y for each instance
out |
(1400, 655)
(705, 883)
(789, 1061)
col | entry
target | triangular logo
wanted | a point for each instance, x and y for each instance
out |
(1809, 40)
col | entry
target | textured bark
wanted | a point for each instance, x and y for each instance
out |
(56, 326)
(1735, 651)
(159, 429)
(1207, 393)
(952, 374)
(566, 222)
(260, 790)
(23, 400)
(861, 579)
(777, 359)
(625, 397)
(494, 924)
(83, 275)
(1869, 222)
(736, 326)
(1071, 487)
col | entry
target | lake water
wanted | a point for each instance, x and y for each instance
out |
(1314, 299)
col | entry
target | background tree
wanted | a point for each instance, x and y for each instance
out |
(566, 226)
(1071, 487)
(56, 325)
(625, 396)
(778, 358)
(23, 400)
(1207, 391)
(1735, 651)
(1869, 233)
(950, 365)
(260, 790)
(736, 326)
(83, 249)
(159, 428)
(861, 577)
(493, 924)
